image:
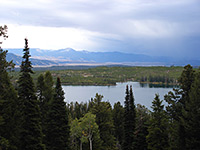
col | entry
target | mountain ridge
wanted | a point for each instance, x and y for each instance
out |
(42, 57)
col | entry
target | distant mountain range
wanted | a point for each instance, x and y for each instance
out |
(68, 56)
(36, 62)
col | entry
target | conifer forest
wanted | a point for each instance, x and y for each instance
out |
(34, 116)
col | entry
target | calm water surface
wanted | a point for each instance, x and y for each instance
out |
(143, 94)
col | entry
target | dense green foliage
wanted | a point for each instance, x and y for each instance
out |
(104, 120)
(57, 134)
(118, 118)
(30, 127)
(177, 107)
(111, 75)
(8, 105)
(141, 129)
(157, 138)
(45, 94)
(191, 116)
(158, 79)
(129, 120)
(85, 130)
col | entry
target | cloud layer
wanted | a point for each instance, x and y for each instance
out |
(157, 27)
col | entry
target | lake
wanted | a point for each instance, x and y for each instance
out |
(143, 94)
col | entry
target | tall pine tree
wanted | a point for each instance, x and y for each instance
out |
(191, 116)
(126, 121)
(58, 131)
(157, 138)
(130, 118)
(104, 120)
(141, 130)
(176, 106)
(118, 118)
(30, 130)
(8, 102)
(185, 81)
(45, 94)
(40, 90)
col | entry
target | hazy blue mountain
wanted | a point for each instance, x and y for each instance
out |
(68, 55)
(36, 62)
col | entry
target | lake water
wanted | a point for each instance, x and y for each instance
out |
(143, 94)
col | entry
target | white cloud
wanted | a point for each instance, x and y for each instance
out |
(52, 37)
(89, 24)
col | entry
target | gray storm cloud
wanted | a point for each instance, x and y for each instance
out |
(157, 27)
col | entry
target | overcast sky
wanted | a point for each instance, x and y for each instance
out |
(154, 27)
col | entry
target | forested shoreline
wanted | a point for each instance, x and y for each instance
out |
(106, 76)
(35, 117)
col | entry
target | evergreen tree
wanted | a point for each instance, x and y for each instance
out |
(71, 110)
(127, 141)
(8, 103)
(8, 107)
(45, 95)
(40, 89)
(157, 138)
(141, 130)
(185, 81)
(176, 105)
(130, 116)
(83, 108)
(118, 118)
(31, 131)
(58, 128)
(104, 120)
(77, 110)
(173, 112)
(48, 83)
(191, 116)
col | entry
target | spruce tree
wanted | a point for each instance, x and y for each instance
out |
(118, 118)
(191, 116)
(30, 130)
(157, 138)
(104, 120)
(185, 81)
(127, 141)
(45, 94)
(8, 102)
(48, 83)
(8, 107)
(58, 131)
(176, 106)
(141, 130)
(130, 118)
(40, 90)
